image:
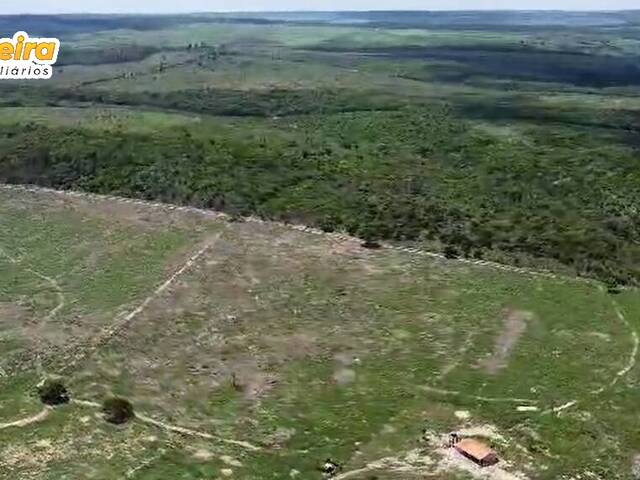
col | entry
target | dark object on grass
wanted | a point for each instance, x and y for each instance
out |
(613, 286)
(53, 392)
(450, 252)
(236, 383)
(117, 410)
(372, 244)
(236, 218)
(329, 468)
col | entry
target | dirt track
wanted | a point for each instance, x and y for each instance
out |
(23, 422)
(81, 352)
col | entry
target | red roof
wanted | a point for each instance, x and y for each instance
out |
(475, 449)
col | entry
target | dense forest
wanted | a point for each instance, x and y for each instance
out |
(387, 176)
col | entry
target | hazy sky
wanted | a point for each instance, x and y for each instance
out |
(166, 6)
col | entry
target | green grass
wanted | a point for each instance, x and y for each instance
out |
(288, 315)
(99, 266)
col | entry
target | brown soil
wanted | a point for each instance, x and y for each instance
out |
(344, 376)
(296, 346)
(514, 326)
(251, 381)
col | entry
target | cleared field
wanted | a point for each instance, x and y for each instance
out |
(255, 351)
(107, 118)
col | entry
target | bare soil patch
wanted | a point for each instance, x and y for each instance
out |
(12, 314)
(140, 216)
(450, 459)
(251, 381)
(344, 376)
(296, 346)
(346, 247)
(23, 422)
(514, 326)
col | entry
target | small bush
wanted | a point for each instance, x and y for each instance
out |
(236, 218)
(53, 392)
(236, 383)
(117, 410)
(451, 252)
(614, 289)
(371, 244)
(329, 468)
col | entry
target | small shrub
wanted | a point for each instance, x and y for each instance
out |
(371, 244)
(236, 383)
(613, 286)
(117, 410)
(53, 392)
(236, 218)
(329, 468)
(614, 289)
(450, 252)
(328, 224)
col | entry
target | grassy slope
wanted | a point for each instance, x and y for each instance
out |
(330, 345)
(100, 265)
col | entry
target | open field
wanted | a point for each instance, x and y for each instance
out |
(260, 350)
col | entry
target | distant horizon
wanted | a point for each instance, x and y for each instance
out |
(381, 10)
(95, 7)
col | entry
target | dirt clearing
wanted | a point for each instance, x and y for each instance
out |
(514, 326)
